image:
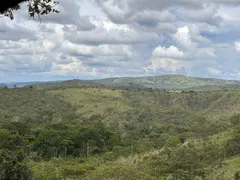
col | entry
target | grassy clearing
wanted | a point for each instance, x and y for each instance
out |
(93, 101)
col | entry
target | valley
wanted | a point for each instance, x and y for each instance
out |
(103, 132)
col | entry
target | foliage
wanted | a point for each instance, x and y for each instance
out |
(12, 157)
(35, 7)
(12, 166)
(97, 133)
(175, 83)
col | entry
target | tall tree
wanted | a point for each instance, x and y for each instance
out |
(35, 7)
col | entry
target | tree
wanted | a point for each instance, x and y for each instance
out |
(13, 166)
(9, 4)
(172, 141)
(235, 120)
(35, 7)
(237, 176)
(233, 147)
(12, 157)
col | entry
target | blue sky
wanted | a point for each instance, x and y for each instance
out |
(92, 39)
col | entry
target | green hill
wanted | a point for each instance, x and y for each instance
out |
(169, 82)
(65, 84)
(100, 133)
(173, 82)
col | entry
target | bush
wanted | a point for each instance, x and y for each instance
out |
(233, 147)
(12, 166)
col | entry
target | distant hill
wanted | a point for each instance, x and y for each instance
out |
(18, 84)
(68, 83)
(176, 82)
(172, 82)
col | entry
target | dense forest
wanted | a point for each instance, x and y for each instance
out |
(104, 133)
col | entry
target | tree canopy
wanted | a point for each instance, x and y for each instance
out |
(35, 7)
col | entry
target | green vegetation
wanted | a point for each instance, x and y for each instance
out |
(93, 101)
(90, 132)
(167, 82)
(170, 82)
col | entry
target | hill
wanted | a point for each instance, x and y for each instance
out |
(170, 82)
(18, 84)
(65, 84)
(100, 133)
(174, 82)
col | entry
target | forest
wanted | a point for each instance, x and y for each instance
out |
(119, 134)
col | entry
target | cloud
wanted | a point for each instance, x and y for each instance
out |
(207, 15)
(104, 38)
(123, 11)
(69, 15)
(237, 46)
(15, 32)
(93, 51)
(195, 45)
(207, 51)
(172, 51)
(168, 65)
(25, 63)
(226, 2)
(75, 67)
(152, 18)
(22, 47)
(183, 38)
(142, 12)
(214, 71)
(63, 59)
(48, 45)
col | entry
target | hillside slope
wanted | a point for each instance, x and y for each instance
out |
(168, 82)
(97, 133)
(174, 82)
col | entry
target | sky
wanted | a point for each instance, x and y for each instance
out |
(91, 39)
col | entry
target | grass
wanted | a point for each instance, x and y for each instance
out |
(93, 101)
(26, 102)
(59, 168)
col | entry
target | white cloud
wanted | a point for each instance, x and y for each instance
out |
(101, 50)
(167, 64)
(237, 46)
(48, 45)
(183, 38)
(227, 16)
(172, 51)
(207, 51)
(195, 45)
(74, 68)
(112, 36)
(115, 38)
(214, 71)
